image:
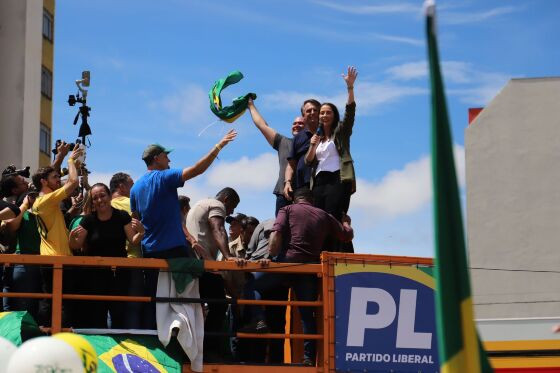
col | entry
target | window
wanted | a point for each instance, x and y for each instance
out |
(46, 82)
(45, 140)
(48, 25)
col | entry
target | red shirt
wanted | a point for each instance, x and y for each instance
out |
(305, 228)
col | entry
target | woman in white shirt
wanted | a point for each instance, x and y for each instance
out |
(333, 179)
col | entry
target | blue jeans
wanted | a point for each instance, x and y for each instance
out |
(305, 288)
(22, 279)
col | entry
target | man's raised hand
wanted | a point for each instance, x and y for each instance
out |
(228, 138)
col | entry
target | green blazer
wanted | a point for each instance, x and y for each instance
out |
(341, 136)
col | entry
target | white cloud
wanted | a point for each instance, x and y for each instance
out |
(196, 190)
(99, 177)
(372, 95)
(402, 191)
(487, 87)
(399, 39)
(248, 174)
(453, 71)
(455, 18)
(390, 7)
(251, 17)
(473, 86)
(189, 105)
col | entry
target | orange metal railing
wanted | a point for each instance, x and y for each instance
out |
(324, 271)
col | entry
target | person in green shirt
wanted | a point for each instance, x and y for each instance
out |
(24, 278)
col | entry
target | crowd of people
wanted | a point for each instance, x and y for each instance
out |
(147, 218)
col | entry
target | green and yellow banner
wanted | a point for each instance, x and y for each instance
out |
(18, 326)
(231, 112)
(458, 343)
(121, 353)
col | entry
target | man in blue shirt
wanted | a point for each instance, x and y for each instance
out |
(296, 169)
(154, 200)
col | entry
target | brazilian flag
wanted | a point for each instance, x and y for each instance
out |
(122, 353)
(459, 347)
(18, 327)
(237, 108)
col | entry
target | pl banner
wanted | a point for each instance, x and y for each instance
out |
(385, 319)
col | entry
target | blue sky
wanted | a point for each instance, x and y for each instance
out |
(153, 63)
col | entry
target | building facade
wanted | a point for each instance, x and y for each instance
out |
(26, 73)
(512, 151)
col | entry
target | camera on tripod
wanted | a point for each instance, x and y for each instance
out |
(11, 171)
(83, 110)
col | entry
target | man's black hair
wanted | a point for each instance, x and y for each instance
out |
(303, 193)
(42, 173)
(249, 220)
(118, 179)
(7, 184)
(310, 101)
(184, 201)
(228, 193)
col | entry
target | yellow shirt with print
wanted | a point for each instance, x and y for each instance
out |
(123, 203)
(52, 228)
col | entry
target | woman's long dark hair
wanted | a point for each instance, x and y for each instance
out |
(336, 116)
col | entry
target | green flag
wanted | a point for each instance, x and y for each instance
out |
(18, 326)
(237, 108)
(458, 343)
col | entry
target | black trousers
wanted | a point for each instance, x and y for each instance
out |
(333, 196)
(211, 286)
(102, 281)
(330, 194)
(68, 306)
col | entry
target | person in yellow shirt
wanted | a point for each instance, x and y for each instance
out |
(52, 228)
(120, 186)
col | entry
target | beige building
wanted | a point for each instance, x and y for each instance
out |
(512, 152)
(26, 73)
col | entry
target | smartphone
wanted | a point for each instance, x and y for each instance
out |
(82, 157)
(85, 78)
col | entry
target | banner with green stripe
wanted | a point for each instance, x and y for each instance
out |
(458, 343)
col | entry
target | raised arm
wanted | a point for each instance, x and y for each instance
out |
(73, 181)
(350, 78)
(61, 151)
(261, 124)
(205, 162)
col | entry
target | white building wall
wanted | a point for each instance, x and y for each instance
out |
(20, 74)
(512, 153)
